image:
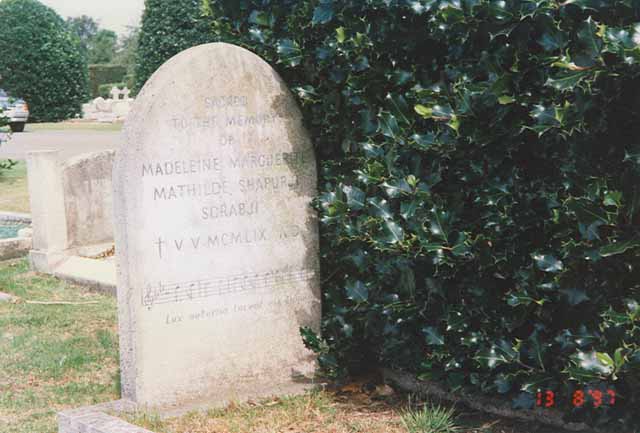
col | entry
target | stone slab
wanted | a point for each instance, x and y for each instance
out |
(96, 274)
(45, 261)
(97, 419)
(216, 239)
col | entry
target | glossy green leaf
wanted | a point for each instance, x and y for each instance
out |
(394, 233)
(355, 197)
(323, 13)
(618, 248)
(567, 81)
(289, 51)
(575, 296)
(357, 291)
(423, 111)
(433, 336)
(388, 125)
(380, 207)
(547, 263)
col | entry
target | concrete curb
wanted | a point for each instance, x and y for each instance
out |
(15, 217)
(14, 248)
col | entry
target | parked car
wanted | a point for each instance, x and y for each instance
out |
(15, 109)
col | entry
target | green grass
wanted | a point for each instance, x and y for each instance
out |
(14, 190)
(52, 357)
(74, 126)
(430, 419)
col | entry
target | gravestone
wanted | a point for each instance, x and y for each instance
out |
(87, 188)
(115, 93)
(216, 241)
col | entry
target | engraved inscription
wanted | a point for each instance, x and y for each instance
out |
(168, 293)
(233, 101)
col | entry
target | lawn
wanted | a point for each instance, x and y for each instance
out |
(14, 191)
(52, 357)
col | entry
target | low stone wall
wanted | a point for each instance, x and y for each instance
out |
(14, 247)
(19, 246)
(15, 217)
(71, 205)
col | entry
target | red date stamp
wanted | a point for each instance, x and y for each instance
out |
(594, 398)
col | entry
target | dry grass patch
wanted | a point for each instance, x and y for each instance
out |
(317, 412)
(349, 409)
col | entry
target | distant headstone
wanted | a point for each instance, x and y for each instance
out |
(115, 93)
(216, 240)
(88, 188)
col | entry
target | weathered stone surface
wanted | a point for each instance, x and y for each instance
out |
(26, 232)
(14, 248)
(88, 189)
(71, 204)
(216, 241)
(47, 210)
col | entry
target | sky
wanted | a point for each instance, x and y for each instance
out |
(114, 15)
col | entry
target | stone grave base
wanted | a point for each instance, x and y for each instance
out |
(97, 419)
(103, 418)
(80, 267)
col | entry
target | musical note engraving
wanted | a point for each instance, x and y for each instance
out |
(163, 293)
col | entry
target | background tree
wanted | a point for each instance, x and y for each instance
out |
(102, 47)
(98, 45)
(167, 29)
(126, 53)
(86, 28)
(41, 60)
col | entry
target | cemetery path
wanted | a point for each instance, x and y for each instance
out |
(69, 143)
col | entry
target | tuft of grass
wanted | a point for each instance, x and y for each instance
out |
(14, 190)
(52, 357)
(430, 419)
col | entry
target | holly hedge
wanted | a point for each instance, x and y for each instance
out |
(168, 27)
(480, 185)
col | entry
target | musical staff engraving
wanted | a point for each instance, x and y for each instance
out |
(163, 293)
